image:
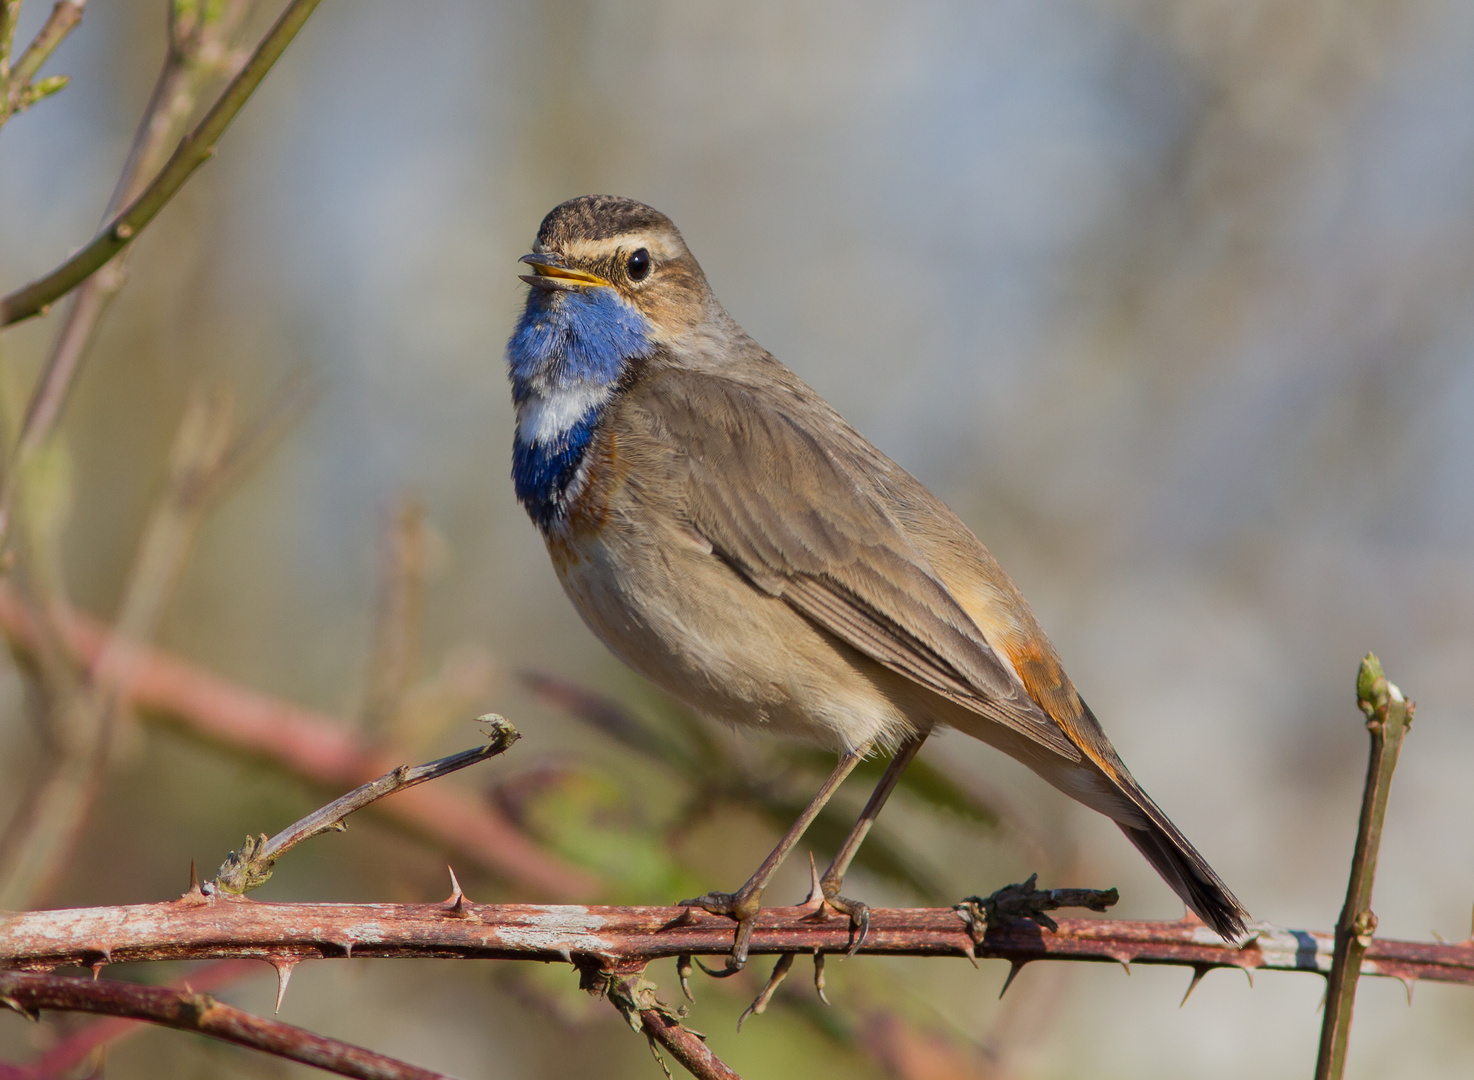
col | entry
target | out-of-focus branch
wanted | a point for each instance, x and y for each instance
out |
(17, 91)
(9, 12)
(317, 748)
(399, 617)
(38, 844)
(251, 867)
(1388, 715)
(28, 993)
(199, 36)
(61, 1060)
(619, 939)
(194, 151)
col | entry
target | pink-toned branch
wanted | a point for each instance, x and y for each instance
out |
(62, 1059)
(615, 938)
(313, 746)
(28, 992)
(685, 1046)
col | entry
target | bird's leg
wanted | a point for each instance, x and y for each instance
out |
(834, 876)
(744, 904)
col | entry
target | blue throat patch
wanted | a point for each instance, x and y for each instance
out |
(566, 342)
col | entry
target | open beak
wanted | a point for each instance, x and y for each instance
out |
(550, 273)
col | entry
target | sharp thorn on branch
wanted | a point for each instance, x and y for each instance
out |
(284, 970)
(455, 904)
(103, 958)
(1199, 970)
(814, 902)
(1013, 969)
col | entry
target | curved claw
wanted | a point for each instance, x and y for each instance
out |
(859, 914)
(719, 973)
(859, 921)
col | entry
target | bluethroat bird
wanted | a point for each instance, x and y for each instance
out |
(726, 534)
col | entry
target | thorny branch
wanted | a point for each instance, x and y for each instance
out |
(28, 993)
(611, 947)
(251, 866)
(635, 998)
(198, 926)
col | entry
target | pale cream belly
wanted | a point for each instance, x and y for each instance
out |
(684, 619)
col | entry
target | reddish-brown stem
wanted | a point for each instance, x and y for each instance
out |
(190, 1011)
(62, 1059)
(685, 1046)
(622, 938)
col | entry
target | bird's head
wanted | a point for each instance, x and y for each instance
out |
(600, 249)
(612, 283)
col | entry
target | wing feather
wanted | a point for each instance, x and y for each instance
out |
(788, 494)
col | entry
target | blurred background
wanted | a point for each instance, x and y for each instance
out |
(1172, 301)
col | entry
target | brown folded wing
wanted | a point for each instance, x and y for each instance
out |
(792, 497)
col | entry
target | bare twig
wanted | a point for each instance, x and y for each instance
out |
(313, 746)
(28, 993)
(198, 52)
(37, 846)
(196, 149)
(621, 938)
(17, 91)
(635, 998)
(685, 1045)
(250, 867)
(61, 1060)
(1388, 715)
(9, 12)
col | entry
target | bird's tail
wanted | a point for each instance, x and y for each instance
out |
(1188, 873)
(1103, 783)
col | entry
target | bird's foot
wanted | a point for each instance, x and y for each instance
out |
(824, 895)
(742, 906)
(859, 914)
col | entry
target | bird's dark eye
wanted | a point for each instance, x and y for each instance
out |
(638, 266)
